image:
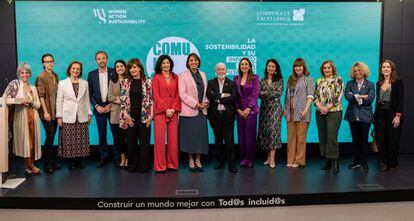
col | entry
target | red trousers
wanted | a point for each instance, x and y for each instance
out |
(165, 157)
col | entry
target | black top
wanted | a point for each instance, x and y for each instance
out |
(200, 85)
(397, 98)
(135, 96)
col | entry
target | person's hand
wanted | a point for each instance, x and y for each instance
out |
(169, 113)
(108, 108)
(396, 121)
(100, 109)
(46, 115)
(240, 112)
(129, 120)
(205, 105)
(303, 114)
(59, 120)
(148, 122)
(246, 112)
(117, 100)
(226, 95)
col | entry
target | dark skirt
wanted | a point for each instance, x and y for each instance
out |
(74, 140)
(194, 134)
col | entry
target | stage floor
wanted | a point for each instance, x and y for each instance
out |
(306, 183)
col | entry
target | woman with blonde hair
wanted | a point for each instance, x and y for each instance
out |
(26, 122)
(360, 93)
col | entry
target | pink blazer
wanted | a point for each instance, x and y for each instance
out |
(188, 93)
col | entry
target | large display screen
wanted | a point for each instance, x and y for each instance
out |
(345, 32)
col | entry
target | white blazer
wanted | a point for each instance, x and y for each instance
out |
(69, 107)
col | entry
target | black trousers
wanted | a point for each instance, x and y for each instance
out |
(223, 130)
(360, 132)
(48, 151)
(139, 158)
(387, 137)
(120, 145)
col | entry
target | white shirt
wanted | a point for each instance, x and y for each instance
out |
(221, 107)
(103, 83)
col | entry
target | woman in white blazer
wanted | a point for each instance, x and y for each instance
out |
(73, 114)
(23, 98)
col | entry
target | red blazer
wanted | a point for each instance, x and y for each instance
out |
(165, 95)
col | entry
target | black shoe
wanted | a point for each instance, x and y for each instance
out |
(131, 170)
(393, 169)
(160, 172)
(101, 163)
(72, 166)
(80, 165)
(335, 166)
(233, 168)
(364, 168)
(56, 166)
(354, 165)
(193, 169)
(48, 168)
(327, 165)
(383, 166)
(200, 169)
(219, 165)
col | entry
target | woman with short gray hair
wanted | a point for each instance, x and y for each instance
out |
(24, 99)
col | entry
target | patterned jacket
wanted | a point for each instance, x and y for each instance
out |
(147, 102)
(330, 91)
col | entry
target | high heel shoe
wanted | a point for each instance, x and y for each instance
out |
(272, 165)
(327, 165)
(335, 166)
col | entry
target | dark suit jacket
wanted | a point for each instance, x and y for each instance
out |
(397, 97)
(95, 88)
(363, 112)
(214, 97)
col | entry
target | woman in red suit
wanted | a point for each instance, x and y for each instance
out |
(167, 104)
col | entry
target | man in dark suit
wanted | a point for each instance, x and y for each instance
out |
(98, 81)
(222, 94)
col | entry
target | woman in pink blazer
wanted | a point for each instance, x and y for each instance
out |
(192, 85)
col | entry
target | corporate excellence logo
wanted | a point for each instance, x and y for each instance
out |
(115, 16)
(299, 15)
(281, 17)
(176, 47)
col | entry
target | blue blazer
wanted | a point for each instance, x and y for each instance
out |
(95, 88)
(356, 112)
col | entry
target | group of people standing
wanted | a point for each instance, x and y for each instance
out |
(180, 106)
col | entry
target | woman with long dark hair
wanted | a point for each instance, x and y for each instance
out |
(248, 87)
(270, 118)
(114, 94)
(388, 115)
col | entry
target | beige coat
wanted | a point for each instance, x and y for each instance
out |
(114, 92)
(21, 144)
(4, 135)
